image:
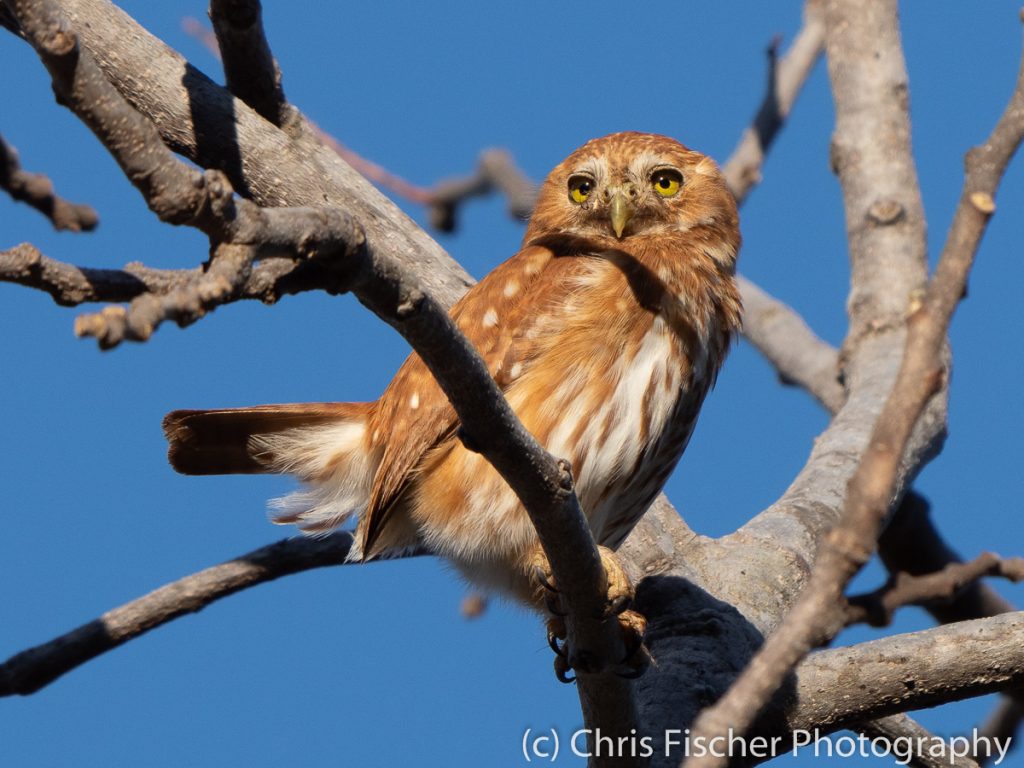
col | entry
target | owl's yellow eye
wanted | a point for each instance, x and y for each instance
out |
(580, 188)
(666, 181)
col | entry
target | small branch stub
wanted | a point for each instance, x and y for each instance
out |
(984, 203)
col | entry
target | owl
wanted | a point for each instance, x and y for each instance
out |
(604, 332)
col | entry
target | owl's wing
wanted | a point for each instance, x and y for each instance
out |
(413, 415)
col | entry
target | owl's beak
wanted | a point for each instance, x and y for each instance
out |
(621, 210)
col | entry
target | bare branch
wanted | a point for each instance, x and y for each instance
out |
(912, 544)
(496, 172)
(176, 193)
(37, 190)
(228, 270)
(32, 669)
(939, 587)
(896, 728)
(1004, 722)
(845, 549)
(781, 335)
(785, 81)
(908, 671)
(251, 72)
(269, 280)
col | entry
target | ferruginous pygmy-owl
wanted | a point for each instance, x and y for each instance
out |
(605, 332)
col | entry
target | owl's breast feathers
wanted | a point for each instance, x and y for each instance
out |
(605, 353)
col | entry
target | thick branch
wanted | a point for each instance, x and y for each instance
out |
(37, 190)
(846, 548)
(200, 120)
(910, 671)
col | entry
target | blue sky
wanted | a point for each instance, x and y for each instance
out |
(375, 665)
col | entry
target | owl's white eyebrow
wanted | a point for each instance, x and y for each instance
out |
(647, 161)
(595, 167)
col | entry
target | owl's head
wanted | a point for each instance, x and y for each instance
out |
(629, 186)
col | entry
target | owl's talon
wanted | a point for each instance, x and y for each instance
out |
(554, 606)
(562, 669)
(618, 605)
(558, 649)
(540, 576)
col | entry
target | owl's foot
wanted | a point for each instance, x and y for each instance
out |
(620, 596)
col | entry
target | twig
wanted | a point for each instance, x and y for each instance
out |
(229, 268)
(251, 72)
(912, 544)
(496, 172)
(785, 80)
(848, 546)
(238, 229)
(940, 587)
(370, 170)
(1003, 723)
(37, 190)
(270, 279)
(34, 668)
(901, 729)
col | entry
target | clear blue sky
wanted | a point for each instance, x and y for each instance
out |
(375, 666)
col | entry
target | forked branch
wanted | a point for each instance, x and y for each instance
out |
(817, 613)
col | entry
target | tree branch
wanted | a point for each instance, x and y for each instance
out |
(800, 357)
(238, 229)
(201, 121)
(251, 72)
(908, 671)
(936, 588)
(34, 668)
(37, 190)
(785, 81)
(270, 279)
(496, 171)
(902, 728)
(912, 544)
(847, 547)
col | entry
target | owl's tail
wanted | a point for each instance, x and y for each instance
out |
(323, 444)
(260, 439)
